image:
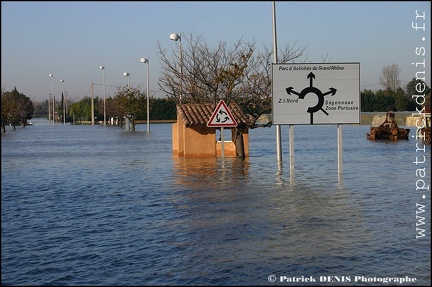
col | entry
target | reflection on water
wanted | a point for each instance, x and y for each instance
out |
(298, 223)
(211, 173)
(101, 206)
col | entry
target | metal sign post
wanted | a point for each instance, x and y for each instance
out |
(222, 117)
(291, 149)
(339, 149)
(278, 127)
(222, 143)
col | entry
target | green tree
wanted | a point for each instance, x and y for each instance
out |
(113, 110)
(400, 99)
(81, 110)
(130, 102)
(417, 90)
(162, 109)
(384, 101)
(377, 101)
(367, 101)
(16, 108)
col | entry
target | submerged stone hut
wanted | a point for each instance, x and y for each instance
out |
(192, 138)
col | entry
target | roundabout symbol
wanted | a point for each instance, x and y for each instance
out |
(312, 89)
(225, 115)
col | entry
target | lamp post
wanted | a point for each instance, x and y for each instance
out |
(104, 102)
(53, 93)
(63, 102)
(126, 74)
(49, 107)
(177, 37)
(146, 61)
(278, 127)
(128, 126)
(92, 105)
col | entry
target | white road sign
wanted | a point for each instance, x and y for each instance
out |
(327, 93)
(222, 117)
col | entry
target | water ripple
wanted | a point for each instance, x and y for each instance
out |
(87, 205)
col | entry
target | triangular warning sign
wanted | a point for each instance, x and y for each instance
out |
(222, 117)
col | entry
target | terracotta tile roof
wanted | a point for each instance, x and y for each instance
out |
(199, 114)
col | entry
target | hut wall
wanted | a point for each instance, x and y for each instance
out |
(199, 141)
(175, 138)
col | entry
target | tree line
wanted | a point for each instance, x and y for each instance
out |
(396, 100)
(393, 97)
(128, 103)
(16, 108)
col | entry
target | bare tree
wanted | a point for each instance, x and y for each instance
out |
(390, 77)
(257, 96)
(205, 75)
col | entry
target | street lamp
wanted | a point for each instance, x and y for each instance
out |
(126, 74)
(103, 79)
(49, 107)
(177, 37)
(146, 61)
(63, 99)
(53, 93)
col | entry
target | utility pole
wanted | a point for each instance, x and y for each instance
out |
(92, 106)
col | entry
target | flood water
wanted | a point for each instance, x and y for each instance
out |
(94, 205)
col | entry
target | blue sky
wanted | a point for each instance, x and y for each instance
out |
(72, 39)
